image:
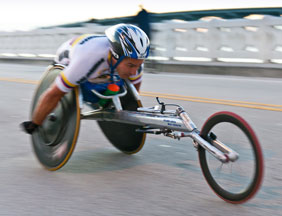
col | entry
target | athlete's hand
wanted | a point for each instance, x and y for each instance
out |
(28, 126)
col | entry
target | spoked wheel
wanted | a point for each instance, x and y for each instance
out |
(54, 141)
(237, 181)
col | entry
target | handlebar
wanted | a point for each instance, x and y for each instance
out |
(110, 96)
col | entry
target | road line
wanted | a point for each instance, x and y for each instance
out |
(155, 94)
(252, 105)
(245, 104)
(17, 80)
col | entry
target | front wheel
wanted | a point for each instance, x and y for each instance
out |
(235, 182)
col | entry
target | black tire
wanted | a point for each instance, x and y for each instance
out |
(124, 136)
(54, 141)
(230, 185)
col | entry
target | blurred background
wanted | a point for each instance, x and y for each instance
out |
(195, 33)
(31, 14)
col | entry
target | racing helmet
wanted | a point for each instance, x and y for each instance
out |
(129, 41)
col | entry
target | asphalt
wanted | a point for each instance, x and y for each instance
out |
(164, 178)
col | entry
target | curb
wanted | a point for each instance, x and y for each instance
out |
(211, 68)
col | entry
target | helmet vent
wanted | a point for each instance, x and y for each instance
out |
(141, 41)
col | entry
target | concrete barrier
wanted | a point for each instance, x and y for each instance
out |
(236, 47)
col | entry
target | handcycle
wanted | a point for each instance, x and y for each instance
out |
(229, 152)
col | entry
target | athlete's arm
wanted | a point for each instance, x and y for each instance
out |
(47, 102)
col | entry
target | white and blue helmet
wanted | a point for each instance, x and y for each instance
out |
(129, 41)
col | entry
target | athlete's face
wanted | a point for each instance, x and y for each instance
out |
(128, 67)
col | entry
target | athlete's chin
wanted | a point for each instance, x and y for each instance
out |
(124, 76)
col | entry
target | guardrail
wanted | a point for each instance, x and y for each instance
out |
(243, 40)
(214, 41)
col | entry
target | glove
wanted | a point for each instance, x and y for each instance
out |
(29, 127)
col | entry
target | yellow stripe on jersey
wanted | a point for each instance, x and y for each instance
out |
(109, 57)
(79, 39)
(65, 80)
(136, 77)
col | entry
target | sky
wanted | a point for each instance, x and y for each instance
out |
(31, 14)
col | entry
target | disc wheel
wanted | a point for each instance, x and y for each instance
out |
(55, 140)
(124, 136)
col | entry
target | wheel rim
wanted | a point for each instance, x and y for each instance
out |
(234, 182)
(55, 140)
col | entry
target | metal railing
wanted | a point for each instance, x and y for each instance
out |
(235, 40)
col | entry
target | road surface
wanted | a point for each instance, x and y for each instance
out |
(162, 179)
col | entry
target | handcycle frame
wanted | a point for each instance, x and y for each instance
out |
(156, 120)
(125, 123)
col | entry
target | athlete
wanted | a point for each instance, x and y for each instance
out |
(119, 54)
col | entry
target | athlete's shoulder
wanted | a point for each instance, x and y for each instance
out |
(87, 40)
(81, 39)
(92, 44)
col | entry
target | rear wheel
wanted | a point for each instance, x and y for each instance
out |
(238, 181)
(55, 140)
(124, 136)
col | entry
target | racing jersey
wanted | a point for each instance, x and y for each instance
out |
(86, 58)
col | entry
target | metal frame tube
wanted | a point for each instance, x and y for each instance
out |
(137, 118)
